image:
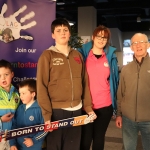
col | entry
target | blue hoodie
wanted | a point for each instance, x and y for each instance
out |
(112, 60)
(24, 118)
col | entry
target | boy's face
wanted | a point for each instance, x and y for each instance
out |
(6, 76)
(61, 35)
(6, 37)
(26, 96)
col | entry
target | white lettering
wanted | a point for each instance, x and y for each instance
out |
(61, 124)
(21, 50)
(21, 132)
(37, 128)
(31, 50)
(18, 79)
(76, 122)
(13, 134)
(72, 122)
(41, 128)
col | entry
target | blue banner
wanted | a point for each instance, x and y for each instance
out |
(25, 33)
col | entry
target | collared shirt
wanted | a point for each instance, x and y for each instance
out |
(99, 72)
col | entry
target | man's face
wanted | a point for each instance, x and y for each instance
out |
(139, 45)
(61, 35)
(5, 78)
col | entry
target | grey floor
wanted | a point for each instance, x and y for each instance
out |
(113, 139)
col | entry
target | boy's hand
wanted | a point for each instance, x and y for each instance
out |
(7, 117)
(28, 142)
(92, 113)
(13, 148)
(49, 123)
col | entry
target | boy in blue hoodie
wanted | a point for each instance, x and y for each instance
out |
(9, 100)
(28, 114)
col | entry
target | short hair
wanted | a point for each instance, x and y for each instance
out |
(60, 22)
(8, 32)
(140, 34)
(31, 83)
(6, 64)
(107, 33)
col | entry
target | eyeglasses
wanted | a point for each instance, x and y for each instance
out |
(101, 38)
(138, 42)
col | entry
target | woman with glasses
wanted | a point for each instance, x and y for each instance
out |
(101, 65)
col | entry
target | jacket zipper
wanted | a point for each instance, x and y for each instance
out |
(71, 79)
(138, 69)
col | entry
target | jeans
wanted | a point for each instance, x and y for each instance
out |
(130, 130)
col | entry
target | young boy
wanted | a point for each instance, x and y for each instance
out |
(9, 100)
(28, 114)
(62, 85)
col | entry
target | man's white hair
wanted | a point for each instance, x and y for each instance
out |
(140, 34)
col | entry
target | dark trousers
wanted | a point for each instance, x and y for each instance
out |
(66, 138)
(96, 131)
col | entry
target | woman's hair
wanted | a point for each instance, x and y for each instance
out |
(107, 33)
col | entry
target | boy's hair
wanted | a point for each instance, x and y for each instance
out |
(6, 64)
(31, 83)
(60, 22)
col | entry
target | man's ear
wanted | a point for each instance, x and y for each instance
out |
(148, 45)
(53, 36)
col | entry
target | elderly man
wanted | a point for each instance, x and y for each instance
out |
(134, 96)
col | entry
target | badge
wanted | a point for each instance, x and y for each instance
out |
(16, 99)
(31, 118)
(106, 64)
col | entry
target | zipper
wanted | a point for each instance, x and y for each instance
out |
(138, 69)
(71, 79)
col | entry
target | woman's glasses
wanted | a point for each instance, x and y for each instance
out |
(101, 38)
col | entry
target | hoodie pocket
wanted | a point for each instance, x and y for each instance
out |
(60, 90)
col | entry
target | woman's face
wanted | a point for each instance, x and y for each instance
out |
(99, 41)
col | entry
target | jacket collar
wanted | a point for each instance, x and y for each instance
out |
(92, 54)
(143, 59)
(35, 104)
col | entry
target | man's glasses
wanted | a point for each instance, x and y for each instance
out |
(138, 42)
(101, 38)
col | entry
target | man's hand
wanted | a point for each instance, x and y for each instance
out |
(7, 117)
(93, 115)
(13, 148)
(28, 142)
(49, 125)
(119, 122)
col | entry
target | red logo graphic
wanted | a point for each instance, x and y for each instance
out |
(77, 59)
